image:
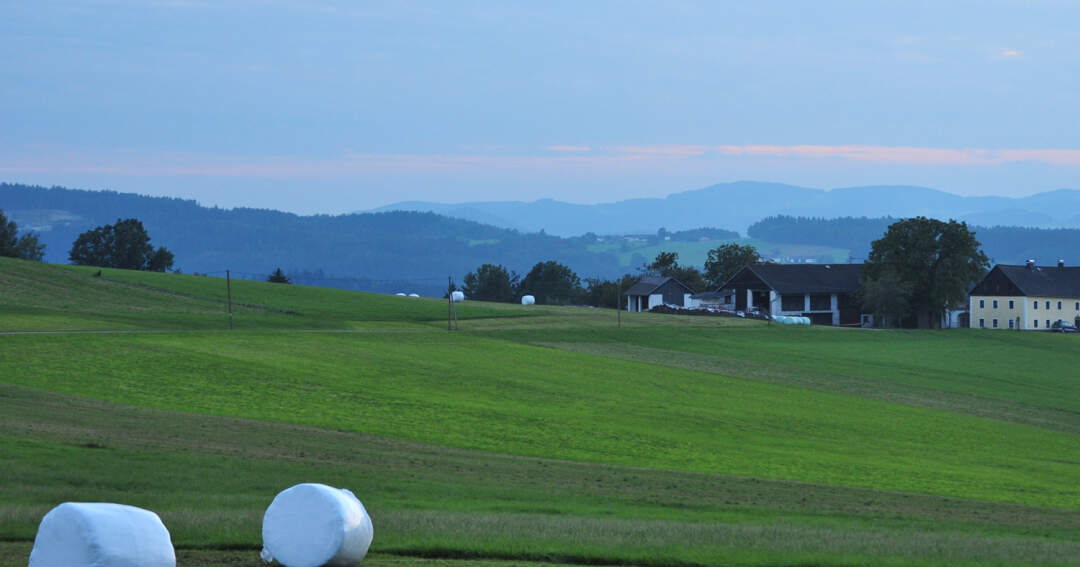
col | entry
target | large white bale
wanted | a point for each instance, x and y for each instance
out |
(457, 296)
(311, 524)
(414, 295)
(98, 534)
(528, 300)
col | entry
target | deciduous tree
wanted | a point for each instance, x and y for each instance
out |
(667, 264)
(124, 245)
(726, 260)
(491, 282)
(12, 245)
(552, 283)
(929, 260)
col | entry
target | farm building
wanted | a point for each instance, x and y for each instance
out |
(826, 293)
(724, 299)
(1027, 297)
(653, 291)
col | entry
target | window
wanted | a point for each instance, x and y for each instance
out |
(1078, 305)
(995, 323)
(1048, 305)
(982, 323)
(792, 302)
(1036, 305)
(1036, 323)
(995, 304)
(982, 304)
(1011, 321)
(1047, 323)
(1011, 304)
(820, 302)
(1059, 306)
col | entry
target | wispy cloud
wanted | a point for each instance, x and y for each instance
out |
(1009, 53)
(568, 148)
(578, 157)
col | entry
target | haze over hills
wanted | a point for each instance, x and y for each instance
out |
(736, 206)
(410, 251)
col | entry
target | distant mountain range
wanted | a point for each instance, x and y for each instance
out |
(406, 251)
(736, 206)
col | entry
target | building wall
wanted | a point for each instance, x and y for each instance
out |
(982, 308)
(776, 304)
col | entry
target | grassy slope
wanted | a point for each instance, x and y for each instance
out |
(750, 472)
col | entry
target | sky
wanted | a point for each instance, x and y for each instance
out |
(331, 107)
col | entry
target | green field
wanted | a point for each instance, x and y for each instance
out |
(533, 435)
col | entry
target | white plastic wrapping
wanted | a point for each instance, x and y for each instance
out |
(528, 300)
(98, 534)
(457, 296)
(310, 525)
(414, 295)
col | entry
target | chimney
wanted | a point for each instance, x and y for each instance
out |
(1061, 265)
(1031, 265)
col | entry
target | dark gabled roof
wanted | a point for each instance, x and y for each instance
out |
(1043, 281)
(650, 284)
(807, 278)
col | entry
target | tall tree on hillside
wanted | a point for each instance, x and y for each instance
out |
(124, 245)
(667, 264)
(12, 245)
(552, 284)
(933, 261)
(726, 260)
(278, 276)
(491, 282)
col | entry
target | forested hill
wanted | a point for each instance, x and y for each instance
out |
(391, 252)
(1002, 244)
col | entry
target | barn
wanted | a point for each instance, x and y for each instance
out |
(652, 291)
(826, 293)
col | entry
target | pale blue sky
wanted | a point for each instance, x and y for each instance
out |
(339, 106)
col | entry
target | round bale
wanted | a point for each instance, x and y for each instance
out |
(528, 300)
(103, 535)
(310, 524)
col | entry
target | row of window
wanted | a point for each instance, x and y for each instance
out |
(1012, 323)
(1012, 304)
(818, 302)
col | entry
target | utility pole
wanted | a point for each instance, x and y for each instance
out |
(449, 302)
(618, 304)
(228, 290)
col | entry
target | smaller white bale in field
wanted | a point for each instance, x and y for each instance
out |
(414, 295)
(457, 296)
(400, 294)
(528, 300)
(311, 524)
(100, 534)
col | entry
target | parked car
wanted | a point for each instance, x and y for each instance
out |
(1060, 326)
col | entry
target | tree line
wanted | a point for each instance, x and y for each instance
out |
(1002, 244)
(552, 283)
(919, 269)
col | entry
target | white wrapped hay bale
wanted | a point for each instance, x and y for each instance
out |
(457, 296)
(528, 300)
(414, 295)
(98, 534)
(311, 524)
